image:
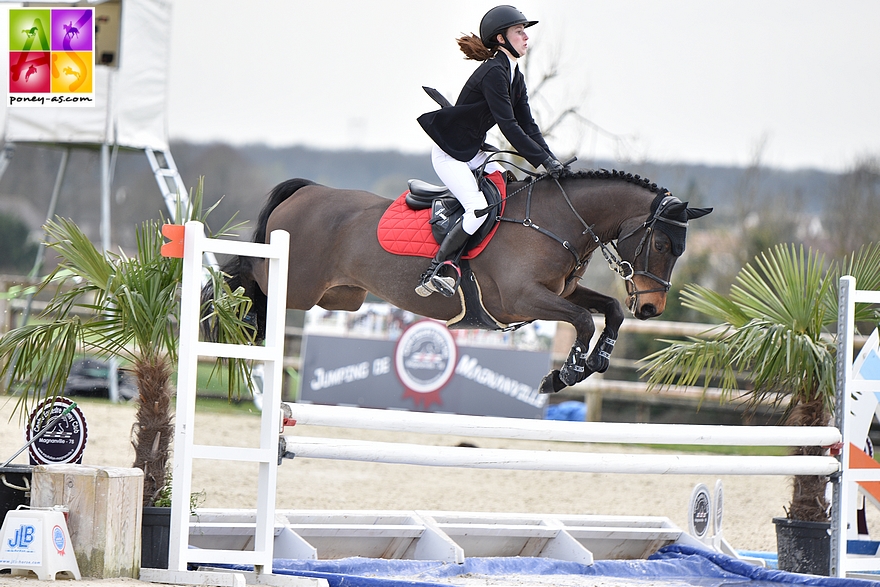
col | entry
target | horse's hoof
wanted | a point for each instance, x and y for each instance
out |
(551, 383)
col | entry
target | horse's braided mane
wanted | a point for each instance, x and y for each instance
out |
(618, 175)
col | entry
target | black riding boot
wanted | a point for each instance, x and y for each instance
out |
(431, 281)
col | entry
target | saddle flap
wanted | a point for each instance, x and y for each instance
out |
(446, 214)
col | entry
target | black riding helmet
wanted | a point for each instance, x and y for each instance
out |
(498, 20)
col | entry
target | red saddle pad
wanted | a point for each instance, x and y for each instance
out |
(404, 231)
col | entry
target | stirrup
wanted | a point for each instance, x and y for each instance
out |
(433, 282)
(444, 284)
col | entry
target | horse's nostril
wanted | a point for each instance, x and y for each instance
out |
(647, 311)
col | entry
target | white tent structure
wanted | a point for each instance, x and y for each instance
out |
(130, 79)
(132, 44)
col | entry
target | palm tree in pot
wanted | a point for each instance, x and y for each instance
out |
(131, 311)
(775, 334)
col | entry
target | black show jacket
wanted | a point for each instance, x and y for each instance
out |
(488, 98)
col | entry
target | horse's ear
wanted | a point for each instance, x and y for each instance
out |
(675, 209)
(697, 212)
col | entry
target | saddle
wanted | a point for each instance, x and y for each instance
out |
(446, 210)
(416, 222)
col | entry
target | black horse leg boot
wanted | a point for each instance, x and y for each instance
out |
(431, 280)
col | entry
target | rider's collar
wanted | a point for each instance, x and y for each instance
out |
(512, 67)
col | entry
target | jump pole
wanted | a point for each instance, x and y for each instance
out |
(574, 462)
(560, 431)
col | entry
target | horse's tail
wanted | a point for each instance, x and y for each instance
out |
(279, 193)
(239, 271)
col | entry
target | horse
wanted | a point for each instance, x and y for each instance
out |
(70, 31)
(530, 270)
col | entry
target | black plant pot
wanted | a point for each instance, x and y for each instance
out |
(155, 537)
(803, 547)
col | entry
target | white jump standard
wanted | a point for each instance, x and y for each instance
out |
(196, 244)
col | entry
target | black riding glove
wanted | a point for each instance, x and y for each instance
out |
(553, 167)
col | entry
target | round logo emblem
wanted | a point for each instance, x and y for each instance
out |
(425, 361)
(58, 539)
(719, 505)
(698, 512)
(65, 441)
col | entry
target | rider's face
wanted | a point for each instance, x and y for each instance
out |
(518, 38)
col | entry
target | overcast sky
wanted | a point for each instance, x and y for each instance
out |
(793, 82)
(719, 81)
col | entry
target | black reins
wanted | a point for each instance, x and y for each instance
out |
(622, 268)
(580, 261)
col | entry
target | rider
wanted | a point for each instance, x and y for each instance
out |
(494, 94)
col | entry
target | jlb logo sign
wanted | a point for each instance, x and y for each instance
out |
(22, 539)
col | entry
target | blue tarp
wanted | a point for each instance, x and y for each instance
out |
(571, 411)
(683, 564)
(694, 562)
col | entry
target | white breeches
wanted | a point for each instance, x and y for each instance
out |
(458, 176)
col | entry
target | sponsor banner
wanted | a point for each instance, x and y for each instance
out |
(424, 368)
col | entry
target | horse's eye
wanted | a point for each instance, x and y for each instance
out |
(660, 245)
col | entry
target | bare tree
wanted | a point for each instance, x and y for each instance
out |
(542, 71)
(852, 212)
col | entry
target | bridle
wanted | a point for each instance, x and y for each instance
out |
(621, 267)
(648, 225)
